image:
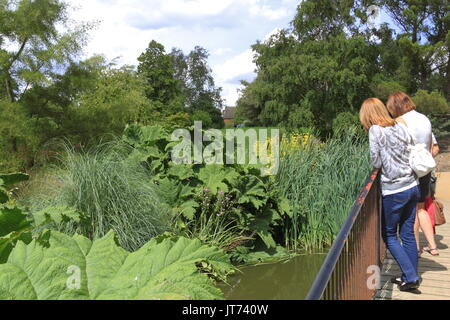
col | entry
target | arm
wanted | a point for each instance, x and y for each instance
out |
(434, 146)
(375, 157)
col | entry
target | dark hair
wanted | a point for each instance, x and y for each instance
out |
(400, 103)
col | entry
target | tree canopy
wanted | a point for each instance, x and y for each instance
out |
(330, 60)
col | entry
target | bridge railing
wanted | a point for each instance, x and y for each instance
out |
(349, 271)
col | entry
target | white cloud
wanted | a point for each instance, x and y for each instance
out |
(238, 65)
(228, 74)
(226, 28)
(221, 51)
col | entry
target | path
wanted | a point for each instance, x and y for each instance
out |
(435, 271)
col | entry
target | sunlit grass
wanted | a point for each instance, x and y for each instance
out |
(321, 180)
(114, 195)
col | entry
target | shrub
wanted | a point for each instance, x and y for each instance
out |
(204, 117)
(383, 89)
(18, 139)
(431, 102)
(347, 121)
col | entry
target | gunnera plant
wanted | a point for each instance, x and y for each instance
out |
(113, 194)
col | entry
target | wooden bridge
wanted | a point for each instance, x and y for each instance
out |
(350, 267)
(434, 270)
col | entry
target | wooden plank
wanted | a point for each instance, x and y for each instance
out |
(390, 295)
(434, 270)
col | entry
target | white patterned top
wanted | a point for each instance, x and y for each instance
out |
(389, 151)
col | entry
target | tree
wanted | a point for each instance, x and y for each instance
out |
(431, 103)
(32, 46)
(329, 61)
(318, 20)
(301, 80)
(424, 40)
(157, 67)
(178, 83)
(18, 140)
(200, 91)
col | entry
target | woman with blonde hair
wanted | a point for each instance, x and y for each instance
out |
(389, 151)
(401, 106)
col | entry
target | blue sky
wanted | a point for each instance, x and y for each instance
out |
(226, 28)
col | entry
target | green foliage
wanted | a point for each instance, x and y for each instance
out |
(18, 140)
(116, 99)
(35, 29)
(18, 224)
(179, 82)
(308, 83)
(161, 269)
(90, 100)
(112, 193)
(441, 126)
(204, 117)
(423, 41)
(330, 61)
(321, 183)
(14, 226)
(431, 102)
(199, 194)
(158, 69)
(347, 121)
(317, 20)
(383, 89)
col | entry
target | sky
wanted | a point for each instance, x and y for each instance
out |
(226, 28)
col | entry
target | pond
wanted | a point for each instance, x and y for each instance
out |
(287, 280)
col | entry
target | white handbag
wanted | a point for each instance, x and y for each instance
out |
(420, 159)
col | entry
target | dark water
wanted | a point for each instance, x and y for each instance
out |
(289, 280)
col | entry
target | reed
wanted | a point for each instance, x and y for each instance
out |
(322, 181)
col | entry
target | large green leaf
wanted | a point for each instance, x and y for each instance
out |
(213, 177)
(56, 214)
(152, 134)
(251, 190)
(14, 226)
(8, 180)
(161, 269)
(182, 172)
(261, 224)
(12, 218)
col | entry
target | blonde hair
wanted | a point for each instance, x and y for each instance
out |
(374, 112)
(400, 103)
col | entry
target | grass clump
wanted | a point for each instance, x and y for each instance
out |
(114, 194)
(322, 182)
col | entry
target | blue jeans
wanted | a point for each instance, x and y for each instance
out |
(399, 214)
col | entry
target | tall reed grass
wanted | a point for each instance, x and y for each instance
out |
(114, 194)
(322, 182)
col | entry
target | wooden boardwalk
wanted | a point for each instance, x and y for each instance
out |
(435, 271)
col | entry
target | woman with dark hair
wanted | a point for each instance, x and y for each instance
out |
(401, 106)
(389, 141)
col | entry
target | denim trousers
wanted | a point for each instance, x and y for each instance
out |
(399, 214)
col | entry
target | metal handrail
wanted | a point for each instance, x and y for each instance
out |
(342, 240)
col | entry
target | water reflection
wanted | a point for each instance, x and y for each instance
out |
(289, 280)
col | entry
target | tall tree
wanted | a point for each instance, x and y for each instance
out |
(425, 41)
(32, 46)
(157, 67)
(317, 20)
